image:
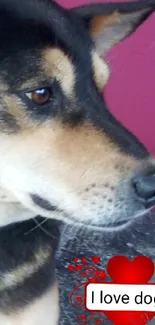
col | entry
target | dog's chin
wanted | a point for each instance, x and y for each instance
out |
(118, 225)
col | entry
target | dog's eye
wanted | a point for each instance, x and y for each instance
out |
(40, 96)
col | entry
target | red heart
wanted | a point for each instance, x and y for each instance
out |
(79, 267)
(96, 259)
(84, 260)
(102, 275)
(129, 318)
(76, 259)
(71, 268)
(139, 271)
(121, 270)
(79, 298)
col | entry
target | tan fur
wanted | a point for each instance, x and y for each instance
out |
(43, 311)
(57, 65)
(101, 71)
(99, 23)
(16, 108)
(68, 161)
(108, 30)
(20, 274)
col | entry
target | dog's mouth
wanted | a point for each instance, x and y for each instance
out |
(117, 225)
(149, 204)
(123, 224)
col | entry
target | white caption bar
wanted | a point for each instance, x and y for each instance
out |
(102, 297)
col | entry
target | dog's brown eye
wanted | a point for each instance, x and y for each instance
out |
(40, 96)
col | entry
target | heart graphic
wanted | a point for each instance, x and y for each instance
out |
(96, 259)
(71, 268)
(84, 260)
(122, 271)
(79, 299)
(139, 271)
(76, 259)
(79, 267)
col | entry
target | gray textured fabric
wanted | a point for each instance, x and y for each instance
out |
(136, 240)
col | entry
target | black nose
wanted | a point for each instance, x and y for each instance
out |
(145, 189)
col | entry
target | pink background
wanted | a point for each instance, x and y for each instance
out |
(130, 93)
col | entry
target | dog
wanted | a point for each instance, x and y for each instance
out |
(63, 155)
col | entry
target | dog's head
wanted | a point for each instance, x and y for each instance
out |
(62, 154)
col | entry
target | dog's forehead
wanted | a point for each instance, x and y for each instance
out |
(25, 43)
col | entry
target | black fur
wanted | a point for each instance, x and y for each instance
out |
(18, 245)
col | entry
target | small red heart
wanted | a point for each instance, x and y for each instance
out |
(71, 268)
(79, 267)
(84, 260)
(83, 317)
(96, 259)
(76, 259)
(103, 275)
(79, 298)
(98, 321)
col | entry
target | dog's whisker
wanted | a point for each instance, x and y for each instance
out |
(37, 226)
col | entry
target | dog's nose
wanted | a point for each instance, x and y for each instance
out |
(145, 189)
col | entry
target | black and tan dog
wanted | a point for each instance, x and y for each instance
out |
(62, 154)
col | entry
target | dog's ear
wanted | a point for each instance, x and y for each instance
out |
(109, 23)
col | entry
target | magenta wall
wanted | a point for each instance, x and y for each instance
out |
(131, 91)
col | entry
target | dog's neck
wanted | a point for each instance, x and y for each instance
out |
(11, 210)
